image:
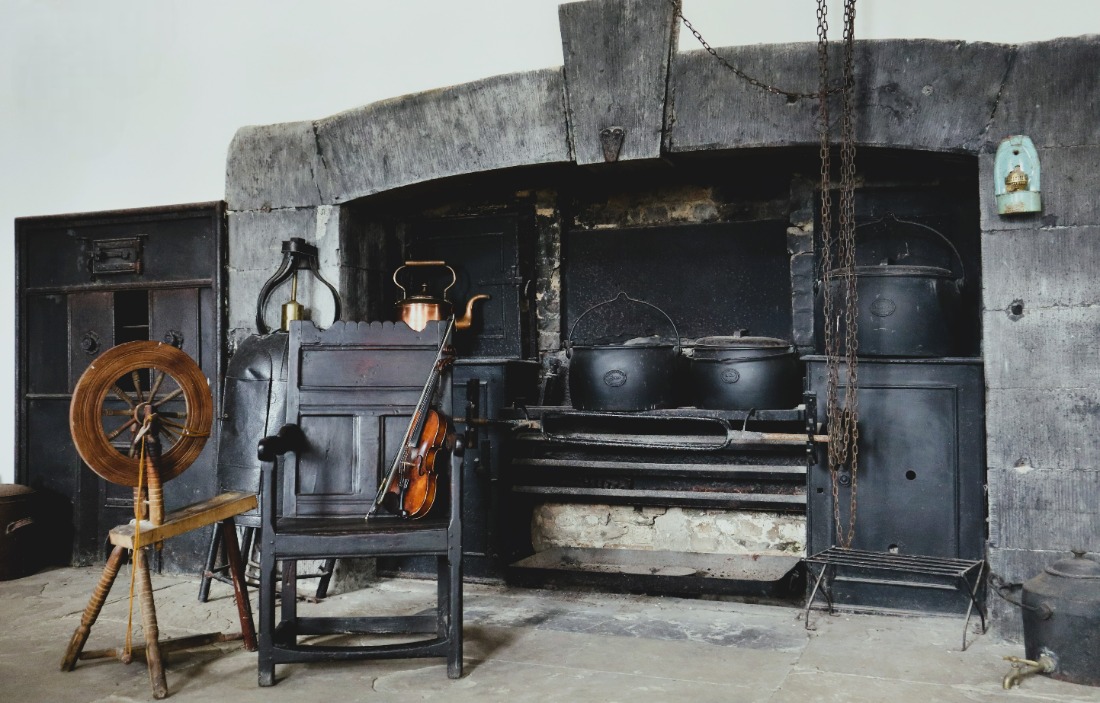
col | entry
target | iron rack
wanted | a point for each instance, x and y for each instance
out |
(940, 572)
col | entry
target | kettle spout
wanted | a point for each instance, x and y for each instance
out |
(467, 319)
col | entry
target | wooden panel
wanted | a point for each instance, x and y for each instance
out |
(47, 327)
(91, 325)
(329, 466)
(616, 67)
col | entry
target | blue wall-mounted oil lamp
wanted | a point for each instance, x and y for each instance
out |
(1016, 177)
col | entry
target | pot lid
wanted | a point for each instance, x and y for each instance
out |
(423, 296)
(738, 341)
(899, 270)
(1079, 567)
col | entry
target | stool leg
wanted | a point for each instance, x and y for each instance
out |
(211, 562)
(149, 625)
(91, 612)
(322, 583)
(240, 590)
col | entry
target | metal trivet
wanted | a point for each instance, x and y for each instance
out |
(965, 575)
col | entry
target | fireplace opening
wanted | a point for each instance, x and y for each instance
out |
(723, 245)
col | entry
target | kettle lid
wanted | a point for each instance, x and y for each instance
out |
(1079, 567)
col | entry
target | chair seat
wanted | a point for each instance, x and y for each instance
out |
(299, 537)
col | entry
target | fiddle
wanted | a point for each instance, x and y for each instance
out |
(410, 485)
(413, 493)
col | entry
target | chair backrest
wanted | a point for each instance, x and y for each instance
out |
(352, 389)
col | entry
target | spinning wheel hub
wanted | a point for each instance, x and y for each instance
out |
(124, 387)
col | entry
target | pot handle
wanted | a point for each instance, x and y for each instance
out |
(568, 344)
(960, 281)
(440, 264)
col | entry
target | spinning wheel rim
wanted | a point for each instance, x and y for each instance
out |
(96, 383)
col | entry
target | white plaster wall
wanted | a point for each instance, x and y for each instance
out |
(129, 103)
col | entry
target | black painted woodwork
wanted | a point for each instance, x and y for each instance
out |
(351, 390)
(86, 282)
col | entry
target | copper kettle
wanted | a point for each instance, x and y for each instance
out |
(418, 310)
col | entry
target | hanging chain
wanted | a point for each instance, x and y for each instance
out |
(839, 264)
(793, 95)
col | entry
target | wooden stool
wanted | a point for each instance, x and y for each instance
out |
(220, 509)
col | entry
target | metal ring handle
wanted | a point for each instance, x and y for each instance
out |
(892, 217)
(440, 264)
(621, 296)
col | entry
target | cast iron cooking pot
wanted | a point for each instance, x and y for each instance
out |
(630, 376)
(1062, 618)
(903, 310)
(743, 373)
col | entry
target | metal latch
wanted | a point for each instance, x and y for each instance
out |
(114, 256)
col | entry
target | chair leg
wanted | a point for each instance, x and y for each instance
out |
(288, 597)
(240, 589)
(149, 625)
(454, 624)
(91, 612)
(211, 562)
(266, 657)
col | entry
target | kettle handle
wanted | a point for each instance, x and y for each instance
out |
(440, 264)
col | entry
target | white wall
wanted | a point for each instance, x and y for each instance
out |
(130, 103)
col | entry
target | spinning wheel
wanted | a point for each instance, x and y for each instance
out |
(118, 394)
(140, 415)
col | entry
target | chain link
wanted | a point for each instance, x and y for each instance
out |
(839, 265)
(793, 95)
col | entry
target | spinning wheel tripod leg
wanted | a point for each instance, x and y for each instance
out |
(91, 612)
(149, 625)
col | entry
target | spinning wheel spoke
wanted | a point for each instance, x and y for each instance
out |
(119, 413)
(137, 385)
(122, 396)
(171, 396)
(156, 387)
(115, 433)
(171, 413)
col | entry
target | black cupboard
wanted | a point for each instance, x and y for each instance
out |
(85, 283)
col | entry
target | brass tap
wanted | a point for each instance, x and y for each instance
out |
(1022, 668)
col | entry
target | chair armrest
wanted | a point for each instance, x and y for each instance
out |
(288, 439)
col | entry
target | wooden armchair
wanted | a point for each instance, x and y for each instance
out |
(351, 391)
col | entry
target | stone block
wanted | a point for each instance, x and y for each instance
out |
(1044, 509)
(903, 95)
(256, 236)
(1046, 348)
(511, 120)
(1052, 93)
(273, 166)
(1045, 428)
(1069, 200)
(616, 74)
(1042, 267)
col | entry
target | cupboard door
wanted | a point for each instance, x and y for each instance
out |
(91, 330)
(485, 254)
